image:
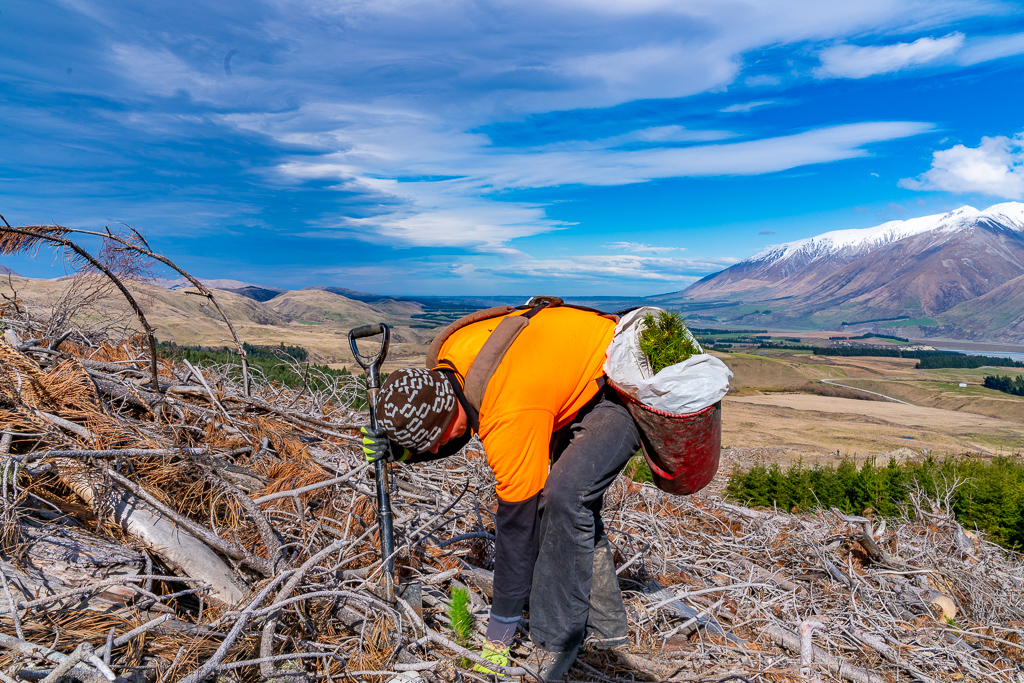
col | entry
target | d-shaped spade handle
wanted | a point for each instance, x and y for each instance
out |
(371, 364)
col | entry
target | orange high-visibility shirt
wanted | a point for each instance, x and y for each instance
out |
(549, 373)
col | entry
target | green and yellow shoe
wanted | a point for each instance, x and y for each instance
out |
(496, 654)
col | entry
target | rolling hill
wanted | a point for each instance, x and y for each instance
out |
(312, 318)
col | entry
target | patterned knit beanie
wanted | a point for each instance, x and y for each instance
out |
(415, 407)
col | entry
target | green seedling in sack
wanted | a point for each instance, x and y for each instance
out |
(665, 340)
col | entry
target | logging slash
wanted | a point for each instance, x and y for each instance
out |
(168, 523)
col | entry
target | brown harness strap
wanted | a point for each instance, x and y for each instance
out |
(435, 346)
(494, 349)
(490, 356)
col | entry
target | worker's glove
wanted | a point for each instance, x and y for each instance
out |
(377, 446)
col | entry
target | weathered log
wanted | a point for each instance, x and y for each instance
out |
(201, 533)
(242, 477)
(867, 537)
(481, 578)
(762, 574)
(120, 392)
(791, 641)
(889, 653)
(79, 671)
(655, 591)
(54, 558)
(179, 549)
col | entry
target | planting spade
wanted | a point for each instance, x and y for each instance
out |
(385, 517)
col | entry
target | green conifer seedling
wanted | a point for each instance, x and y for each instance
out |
(461, 617)
(664, 340)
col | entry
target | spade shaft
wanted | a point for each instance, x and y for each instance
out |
(385, 517)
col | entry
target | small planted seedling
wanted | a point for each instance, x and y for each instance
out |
(665, 341)
(460, 614)
(638, 470)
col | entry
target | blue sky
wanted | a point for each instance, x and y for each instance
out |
(451, 147)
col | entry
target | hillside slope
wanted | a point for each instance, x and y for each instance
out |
(998, 313)
(315, 319)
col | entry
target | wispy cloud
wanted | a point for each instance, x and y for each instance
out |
(988, 48)
(745, 106)
(654, 136)
(995, 167)
(766, 232)
(640, 247)
(468, 209)
(851, 61)
(377, 121)
(762, 80)
(604, 269)
(522, 273)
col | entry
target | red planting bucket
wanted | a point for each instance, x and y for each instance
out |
(682, 450)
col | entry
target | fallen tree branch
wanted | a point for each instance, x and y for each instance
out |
(838, 667)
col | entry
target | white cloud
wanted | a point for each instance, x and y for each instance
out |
(745, 107)
(639, 247)
(466, 207)
(987, 48)
(394, 100)
(445, 213)
(428, 148)
(610, 268)
(510, 273)
(650, 136)
(762, 80)
(850, 61)
(995, 167)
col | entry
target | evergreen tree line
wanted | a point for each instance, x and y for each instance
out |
(963, 361)
(715, 330)
(1004, 383)
(990, 499)
(791, 347)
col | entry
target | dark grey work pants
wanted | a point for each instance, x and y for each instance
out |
(575, 592)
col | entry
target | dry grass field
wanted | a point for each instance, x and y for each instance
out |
(762, 420)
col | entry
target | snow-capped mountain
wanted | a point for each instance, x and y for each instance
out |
(852, 243)
(918, 268)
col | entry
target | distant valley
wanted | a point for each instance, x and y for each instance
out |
(952, 277)
(315, 318)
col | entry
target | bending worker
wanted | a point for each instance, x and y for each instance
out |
(555, 439)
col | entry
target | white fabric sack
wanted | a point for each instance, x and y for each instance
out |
(686, 387)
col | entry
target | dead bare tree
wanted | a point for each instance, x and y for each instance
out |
(136, 242)
(19, 240)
